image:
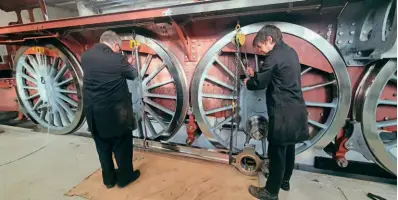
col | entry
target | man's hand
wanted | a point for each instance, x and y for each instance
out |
(131, 59)
(250, 71)
(245, 81)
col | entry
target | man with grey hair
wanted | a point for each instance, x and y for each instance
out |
(108, 108)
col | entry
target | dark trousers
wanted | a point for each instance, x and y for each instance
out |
(280, 167)
(122, 148)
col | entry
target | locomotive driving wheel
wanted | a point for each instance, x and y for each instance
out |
(49, 87)
(164, 90)
(325, 86)
(375, 106)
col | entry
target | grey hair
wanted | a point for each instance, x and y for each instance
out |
(111, 38)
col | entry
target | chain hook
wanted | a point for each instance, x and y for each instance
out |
(133, 33)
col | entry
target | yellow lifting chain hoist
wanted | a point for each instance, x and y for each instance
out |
(239, 38)
(134, 44)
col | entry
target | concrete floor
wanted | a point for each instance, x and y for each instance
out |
(37, 166)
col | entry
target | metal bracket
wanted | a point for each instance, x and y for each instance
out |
(186, 41)
(367, 31)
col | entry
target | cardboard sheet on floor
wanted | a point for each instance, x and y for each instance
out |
(165, 177)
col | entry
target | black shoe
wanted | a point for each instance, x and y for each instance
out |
(109, 186)
(285, 185)
(261, 193)
(136, 174)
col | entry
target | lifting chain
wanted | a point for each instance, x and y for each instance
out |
(238, 40)
(134, 45)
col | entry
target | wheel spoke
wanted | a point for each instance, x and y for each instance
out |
(60, 73)
(305, 71)
(218, 96)
(156, 116)
(222, 123)
(57, 118)
(29, 78)
(150, 126)
(221, 83)
(34, 63)
(159, 84)
(224, 67)
(67, 99)
(65, 82)
(33, 96)
(29, 69)
(37, 104)
(154, 73)
(54, 67)
(147, 61)
(64, 117)
(387, 102)
(324, 105)
(317, 124)
(318, 86)
(68, 91)
(162, 96)
(158, 106)
(30, 88)
(42, 61)
(65, 107)
(387, 123)
(224, 108)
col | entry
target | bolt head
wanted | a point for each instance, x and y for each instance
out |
(350, 41)
(341, 33)
(339, 42)
(353, 23)
(352, 32)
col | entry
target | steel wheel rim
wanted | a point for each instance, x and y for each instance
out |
(67, 113)
(336, 120)
(160, 129)
(370, 90)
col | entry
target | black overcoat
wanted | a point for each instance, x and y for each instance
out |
(106, 99)
(280, 74)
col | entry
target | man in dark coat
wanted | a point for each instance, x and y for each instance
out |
(108, 108)
(287, 112)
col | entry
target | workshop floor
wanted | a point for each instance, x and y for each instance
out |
(38, 166)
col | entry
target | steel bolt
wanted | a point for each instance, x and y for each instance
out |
(359, 53)
(353, 23)
(339, 42)
(350, 41)
(308, 113)
(341, 33)
(321, 114)
(341, 25)
(352, 32)
(386, 118)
